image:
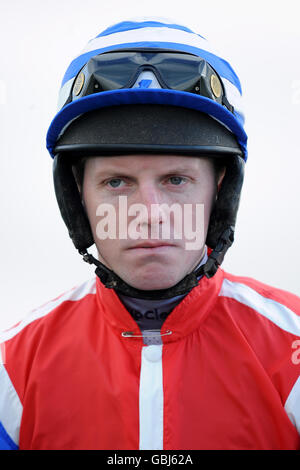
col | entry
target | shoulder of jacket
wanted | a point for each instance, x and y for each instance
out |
(76, 294)
(277, 305)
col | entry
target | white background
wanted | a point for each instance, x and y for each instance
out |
(38, 41)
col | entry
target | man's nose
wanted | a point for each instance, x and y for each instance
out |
(148, 195)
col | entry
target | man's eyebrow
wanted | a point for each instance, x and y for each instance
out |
(181, 170)
(127, 173)
(111, 173)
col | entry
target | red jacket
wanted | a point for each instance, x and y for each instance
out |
(226, 376)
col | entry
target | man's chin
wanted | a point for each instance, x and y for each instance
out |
(151, 283)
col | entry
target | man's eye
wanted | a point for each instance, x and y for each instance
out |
(176, 180)
(115, 182)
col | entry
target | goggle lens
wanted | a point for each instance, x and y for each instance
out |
(173, 70)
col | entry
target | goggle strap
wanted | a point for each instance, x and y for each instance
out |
(226, 103)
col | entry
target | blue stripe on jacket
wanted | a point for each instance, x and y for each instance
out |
(6, 442)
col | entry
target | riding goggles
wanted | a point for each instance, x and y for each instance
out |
(172, 70)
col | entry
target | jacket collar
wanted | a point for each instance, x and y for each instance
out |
(186, 316)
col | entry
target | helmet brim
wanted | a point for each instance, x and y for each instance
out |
(132, 129)
(225, 135)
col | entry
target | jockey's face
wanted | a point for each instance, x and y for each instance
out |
(137, 201)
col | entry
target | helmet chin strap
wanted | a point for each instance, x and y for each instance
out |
(112, 281)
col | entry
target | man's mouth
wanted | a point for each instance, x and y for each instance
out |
(151, 246)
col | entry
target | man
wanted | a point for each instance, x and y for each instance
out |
(162, 349)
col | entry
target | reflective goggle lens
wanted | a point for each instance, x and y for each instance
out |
(173, 70)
